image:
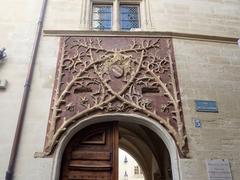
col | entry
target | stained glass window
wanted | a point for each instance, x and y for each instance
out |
(129, 17)
(102, 17)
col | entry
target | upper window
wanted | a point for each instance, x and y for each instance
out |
(127, 17)
(102, 17)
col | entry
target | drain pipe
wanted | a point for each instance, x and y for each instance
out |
(27, 85)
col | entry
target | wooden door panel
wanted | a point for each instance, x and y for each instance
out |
(88, 165)
(85, 175)
(92, 154)
(84, 155)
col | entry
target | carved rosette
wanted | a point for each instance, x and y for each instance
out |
(97, 75)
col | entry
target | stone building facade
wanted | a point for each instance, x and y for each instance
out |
(128, 167)
(204, 36)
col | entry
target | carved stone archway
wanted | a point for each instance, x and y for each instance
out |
(104, 75)
(157, 128)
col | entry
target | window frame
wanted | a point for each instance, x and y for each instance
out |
(92, 13)
(139, 15)
(116, 13)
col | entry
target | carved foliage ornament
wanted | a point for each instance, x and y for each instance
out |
(115, 74)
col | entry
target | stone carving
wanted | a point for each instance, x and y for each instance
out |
(116, 74)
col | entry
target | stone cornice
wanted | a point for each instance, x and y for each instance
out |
(176, 35)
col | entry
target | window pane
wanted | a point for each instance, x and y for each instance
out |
(129, 17)
(102, 17)
(102, 9)
(102, 25)
(127, 25)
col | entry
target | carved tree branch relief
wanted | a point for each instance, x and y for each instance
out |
(97, 75)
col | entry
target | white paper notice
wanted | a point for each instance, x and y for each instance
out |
(219, 169)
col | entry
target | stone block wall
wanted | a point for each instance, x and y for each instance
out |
(210, 71)
(209, 17)
(17, 27)
(36, 119)
(213, 17)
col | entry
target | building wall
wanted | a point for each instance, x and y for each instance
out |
(210, 71)
(128, 167)
(211, 17)
(35, 125)
(206, 70)
(17, 27)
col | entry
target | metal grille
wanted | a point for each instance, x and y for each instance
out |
(102, 17)
(129, 17)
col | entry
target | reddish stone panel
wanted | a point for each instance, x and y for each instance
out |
(98, 75)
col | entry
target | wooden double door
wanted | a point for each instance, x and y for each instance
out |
(92, 154)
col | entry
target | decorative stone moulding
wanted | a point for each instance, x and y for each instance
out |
(100, 75)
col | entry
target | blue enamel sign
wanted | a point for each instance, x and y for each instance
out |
(206, 106)
(197, 123)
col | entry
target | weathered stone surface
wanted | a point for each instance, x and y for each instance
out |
(211, 77)
(206, 71)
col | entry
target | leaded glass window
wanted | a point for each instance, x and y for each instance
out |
(129, 17)
(102, 17)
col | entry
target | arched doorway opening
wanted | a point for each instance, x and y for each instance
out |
(147, 149)
(129, 167)
(145, 139)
